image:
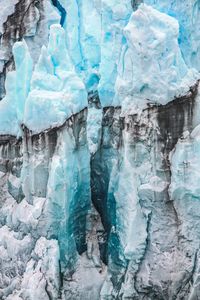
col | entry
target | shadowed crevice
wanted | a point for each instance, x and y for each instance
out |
(61, 10)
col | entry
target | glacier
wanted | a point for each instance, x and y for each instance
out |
(99, 149)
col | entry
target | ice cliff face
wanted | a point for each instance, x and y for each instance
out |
(99, 150)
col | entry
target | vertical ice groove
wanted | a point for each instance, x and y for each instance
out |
(79, 3)
(62, 11)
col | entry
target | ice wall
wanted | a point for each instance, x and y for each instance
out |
(99, 141)
(44, 209)
(141, 52)
(140, 216)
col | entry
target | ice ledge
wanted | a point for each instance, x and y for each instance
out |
(191, 98)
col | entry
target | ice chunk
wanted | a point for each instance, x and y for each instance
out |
(187, 13)
(17, 88)
(115, 15)
(83, 37)
(152, 68)
(56, 90)
(46, 97)
(41, 277)
(24, 67)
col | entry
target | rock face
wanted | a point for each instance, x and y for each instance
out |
(99, 150)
